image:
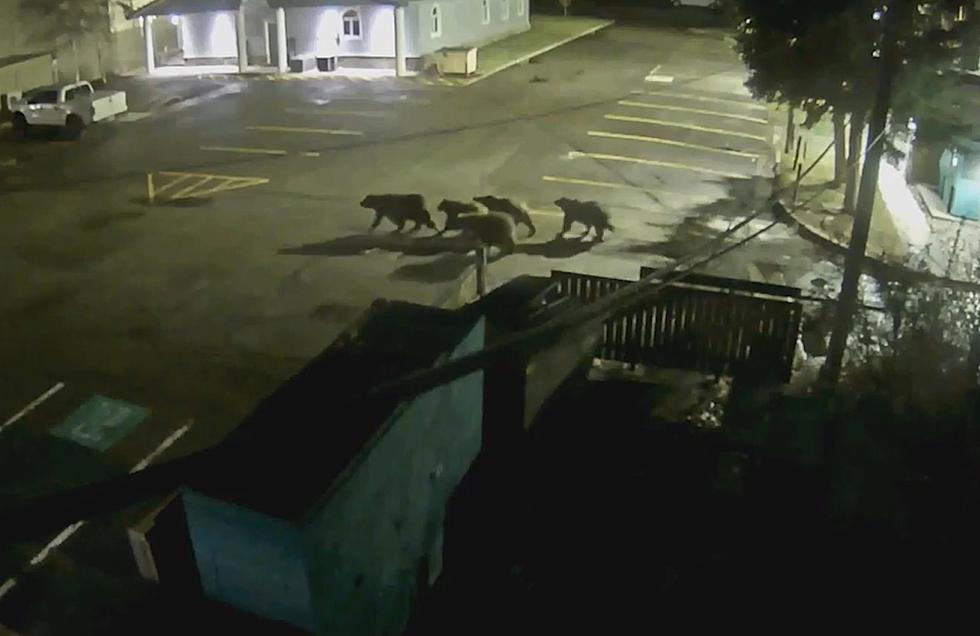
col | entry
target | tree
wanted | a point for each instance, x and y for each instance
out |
(848, 55)
(69, 22)
(821, 57)
(790, 63)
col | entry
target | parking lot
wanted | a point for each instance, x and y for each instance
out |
(183, 263)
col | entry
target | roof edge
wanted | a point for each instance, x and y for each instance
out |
(178, 7)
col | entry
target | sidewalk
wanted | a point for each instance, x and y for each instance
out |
(901, 231)
(547, 33)
(955, 245)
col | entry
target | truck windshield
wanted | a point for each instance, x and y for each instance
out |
(43, 97)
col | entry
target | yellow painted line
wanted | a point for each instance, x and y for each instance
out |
(344, 113)
(310, 154)
(659, 164)
(673, 124)
(538, 212)
(671, 142)
(696, 111)
(702, 98)
(244, 151)
(611, 185)
(180, 177)
(311, 131)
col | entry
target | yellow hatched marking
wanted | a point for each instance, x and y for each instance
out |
(203, 184)
(185, 193)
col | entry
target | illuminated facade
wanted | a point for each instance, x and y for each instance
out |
(296, 35)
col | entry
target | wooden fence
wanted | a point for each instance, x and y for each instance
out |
(703, 323)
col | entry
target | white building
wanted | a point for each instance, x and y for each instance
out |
(303, 34)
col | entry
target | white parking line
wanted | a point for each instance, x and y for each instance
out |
(659, 164)
(674, 124)
(163, 446)
(311, 131)
(245, 151)
(71, 529)
(13, 419)
(671, 142)
(60, 538)
(696, 111)
(8, 585)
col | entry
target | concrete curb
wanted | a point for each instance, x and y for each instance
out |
(876, 265)
(524, 58)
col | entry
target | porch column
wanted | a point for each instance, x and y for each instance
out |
(151, 63)
(281, 54)
(242, 38)
(401, 69)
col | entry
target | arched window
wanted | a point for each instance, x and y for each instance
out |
(505, 9)
(485, 5)
(436, 21)
(520, 7)
(352, 24)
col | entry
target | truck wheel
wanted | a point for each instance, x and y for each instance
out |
(74, 126)
(21, 127)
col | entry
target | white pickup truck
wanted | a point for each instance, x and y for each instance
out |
(69, 106)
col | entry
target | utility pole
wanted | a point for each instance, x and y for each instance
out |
(893, 19)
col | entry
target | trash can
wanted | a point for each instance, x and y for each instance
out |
(457, 61)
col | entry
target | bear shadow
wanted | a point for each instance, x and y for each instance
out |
(558, 247)
(445, 269)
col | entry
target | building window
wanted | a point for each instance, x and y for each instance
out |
(485, 5)
(352, 24)
(520, 7)
(505, 9)
(436, 21)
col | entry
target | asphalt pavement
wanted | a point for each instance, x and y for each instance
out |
(182, 263)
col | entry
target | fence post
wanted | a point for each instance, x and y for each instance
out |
(481, 271)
